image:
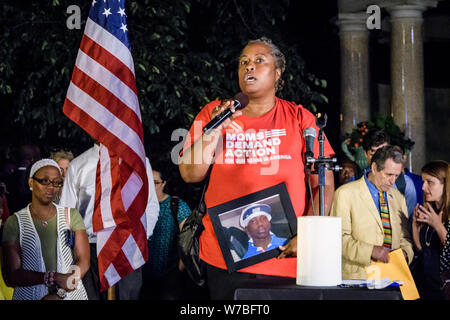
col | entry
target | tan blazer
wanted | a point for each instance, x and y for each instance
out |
(362, 228)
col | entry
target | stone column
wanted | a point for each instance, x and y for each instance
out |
(355, 96)
(407, 79)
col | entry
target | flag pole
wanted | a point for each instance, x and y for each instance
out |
(112, 293)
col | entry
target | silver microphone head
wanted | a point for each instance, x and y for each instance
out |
(309, 132)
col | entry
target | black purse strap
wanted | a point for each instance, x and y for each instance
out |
(174, 205)
(202, 205)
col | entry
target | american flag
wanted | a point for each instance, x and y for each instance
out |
(102, 100)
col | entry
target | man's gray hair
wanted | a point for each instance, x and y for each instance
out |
(384, 153)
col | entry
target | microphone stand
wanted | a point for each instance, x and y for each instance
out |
(320, 165)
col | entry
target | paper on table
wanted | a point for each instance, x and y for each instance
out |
(371, 284)
(397, 269)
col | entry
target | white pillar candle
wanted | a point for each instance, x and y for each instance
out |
(319, 251)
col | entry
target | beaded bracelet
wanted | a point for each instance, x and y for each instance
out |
(49, 278)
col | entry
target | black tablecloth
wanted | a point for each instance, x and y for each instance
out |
(287, 289)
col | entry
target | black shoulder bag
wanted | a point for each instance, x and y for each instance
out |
(188, 241)
(174, 205)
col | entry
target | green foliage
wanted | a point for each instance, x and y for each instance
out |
(38, 53)
(355, 139)
(185, 54)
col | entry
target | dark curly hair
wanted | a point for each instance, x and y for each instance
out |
(374, 138)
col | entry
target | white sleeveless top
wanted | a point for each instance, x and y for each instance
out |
(31, 254)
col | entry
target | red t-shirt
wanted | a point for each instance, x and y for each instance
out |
(257, 153)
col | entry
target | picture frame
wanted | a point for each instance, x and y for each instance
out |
(239, 244)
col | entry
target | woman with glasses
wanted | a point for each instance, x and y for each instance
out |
(45, 246)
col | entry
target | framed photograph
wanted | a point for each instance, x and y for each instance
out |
(251, 228)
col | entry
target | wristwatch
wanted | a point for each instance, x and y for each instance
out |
(61, 293)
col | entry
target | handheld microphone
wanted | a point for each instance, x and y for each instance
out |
(241, 100)
(309, 134)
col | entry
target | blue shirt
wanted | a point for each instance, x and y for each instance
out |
(410, 195)
(374, 192)
(418, 183)
(274, 243)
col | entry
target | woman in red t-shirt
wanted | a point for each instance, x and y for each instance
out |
(237, 148)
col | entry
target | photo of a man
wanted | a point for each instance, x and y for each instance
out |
(250, 229)
(255, 220)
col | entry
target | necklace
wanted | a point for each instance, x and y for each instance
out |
(44, 221)
(428, 240)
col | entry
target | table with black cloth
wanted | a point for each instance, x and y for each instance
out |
(287, 289)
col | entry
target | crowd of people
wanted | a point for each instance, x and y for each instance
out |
(383, 206)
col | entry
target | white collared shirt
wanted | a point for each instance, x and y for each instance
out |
(79, 190)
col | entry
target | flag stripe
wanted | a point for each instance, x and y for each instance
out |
(108, 80)
(111, 276)
(113, 212)
(132, 252)
(86, 120)
(89, 124)
(109, 42)
(97, 222)
(106, 119)
(129, 190)
(108, 61)
(105, 234)
(115, 243)
(121, 264)
(105, 196)
(106, 99)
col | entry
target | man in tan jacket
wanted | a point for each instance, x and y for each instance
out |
(371, 229)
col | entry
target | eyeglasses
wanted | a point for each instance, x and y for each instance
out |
(158, 182)
(47, 182)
